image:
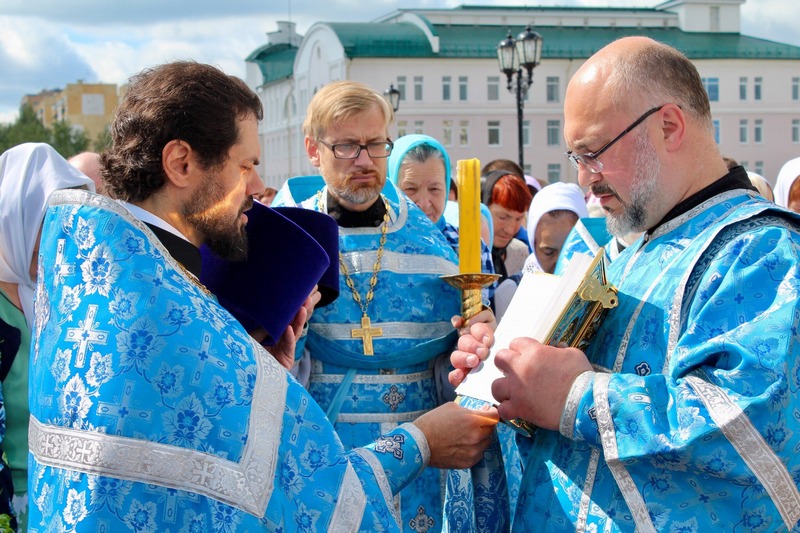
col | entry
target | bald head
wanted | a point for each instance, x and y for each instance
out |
(638, 112)
(89, 164)
(638, 72)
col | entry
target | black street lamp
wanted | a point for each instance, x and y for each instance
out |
(392, 96)
(524, 52)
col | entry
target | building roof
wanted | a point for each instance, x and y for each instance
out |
(370, 39)
(276, 61)
(563, 42)
(541, 9)
(392, 37)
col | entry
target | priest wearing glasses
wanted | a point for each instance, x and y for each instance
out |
(378, 355)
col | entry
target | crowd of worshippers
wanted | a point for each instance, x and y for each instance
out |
(185, 349)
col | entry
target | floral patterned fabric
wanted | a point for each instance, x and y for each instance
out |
(690, 421)
(480, 499)
(154, 410)
(9, 344)
(587, 236)
(369, 394)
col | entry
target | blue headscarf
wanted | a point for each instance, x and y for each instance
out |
(402, 147)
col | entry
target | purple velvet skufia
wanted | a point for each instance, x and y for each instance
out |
(325, 231)
(289, 251)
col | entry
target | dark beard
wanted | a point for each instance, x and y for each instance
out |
(231, 246)
(224, 237)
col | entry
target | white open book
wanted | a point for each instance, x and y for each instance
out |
(551, 309)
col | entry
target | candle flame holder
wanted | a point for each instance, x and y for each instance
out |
(470, 286)
(472, 304)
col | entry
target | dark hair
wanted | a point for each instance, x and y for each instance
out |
(184, 100)
(503, 164)
(730, 162)
(454, 188)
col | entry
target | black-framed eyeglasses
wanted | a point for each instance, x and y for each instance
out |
(376, 150)
(590, 160)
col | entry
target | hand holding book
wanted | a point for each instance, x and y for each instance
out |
(554, 310)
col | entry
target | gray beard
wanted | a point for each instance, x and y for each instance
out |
(361, 196)
(644, 191)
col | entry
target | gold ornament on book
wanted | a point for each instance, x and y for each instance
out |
(561, 310)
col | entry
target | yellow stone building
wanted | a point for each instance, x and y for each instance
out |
(88, 107)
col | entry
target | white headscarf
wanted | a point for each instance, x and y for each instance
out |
(787, 175)
(29, 173)
(553, 197)
(533, 182)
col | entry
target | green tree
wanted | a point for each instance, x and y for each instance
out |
(3, 135)
(27, 128)
(66, 140)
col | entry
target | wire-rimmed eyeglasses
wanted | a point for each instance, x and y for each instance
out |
(590, 160)
(378, 150)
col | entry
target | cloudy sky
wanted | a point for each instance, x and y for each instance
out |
(45, 44)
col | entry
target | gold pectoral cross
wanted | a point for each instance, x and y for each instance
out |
(365, 333)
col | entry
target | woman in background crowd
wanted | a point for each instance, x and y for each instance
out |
(508, 198)
(553, 213)
(420, 167)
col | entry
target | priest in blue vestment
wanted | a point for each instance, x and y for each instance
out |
(152, 408)
(682, 415)
(379, 355)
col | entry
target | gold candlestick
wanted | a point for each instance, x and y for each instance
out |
(471, 305)
(470, 286)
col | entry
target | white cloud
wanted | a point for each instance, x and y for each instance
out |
(53, 55)
(46, 44)
(139, 12)
(7, 117)
(774, 20)
(45, 60)
(222, 41)
(113, 61)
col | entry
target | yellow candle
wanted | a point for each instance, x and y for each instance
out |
(469, 216)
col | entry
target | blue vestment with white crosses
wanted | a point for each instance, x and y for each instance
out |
(152, 410)
(689, 421)
(367, 395)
